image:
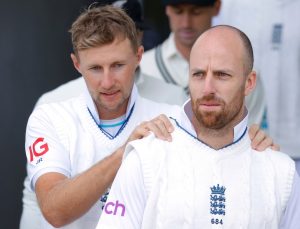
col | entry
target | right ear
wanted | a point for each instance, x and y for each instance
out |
(75, 61)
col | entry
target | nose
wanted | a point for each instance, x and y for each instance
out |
(186, 20)
(209, 85)
(107, 81)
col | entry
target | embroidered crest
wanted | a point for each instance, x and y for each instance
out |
(217, 203)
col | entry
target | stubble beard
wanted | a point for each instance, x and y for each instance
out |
(216, 120)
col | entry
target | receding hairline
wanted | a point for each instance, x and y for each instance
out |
(245, 41)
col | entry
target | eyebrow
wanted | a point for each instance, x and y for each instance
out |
(226, 70)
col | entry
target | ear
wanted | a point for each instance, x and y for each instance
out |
(167, 10)
(140, 52)
(75, 61)
(250, 82)
(217, 7)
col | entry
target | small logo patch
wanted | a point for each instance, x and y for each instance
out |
(38, 148)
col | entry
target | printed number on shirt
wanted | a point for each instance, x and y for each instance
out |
(216, 221)
(37, 149)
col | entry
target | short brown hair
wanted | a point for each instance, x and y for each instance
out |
(102, 25)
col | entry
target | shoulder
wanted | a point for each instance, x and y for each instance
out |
(275, 160)
(63, 112)
(151, 108)
(279, 159)
(278, 165)
(170, 93)
(65, 91)
(145, 146)
(153, 148)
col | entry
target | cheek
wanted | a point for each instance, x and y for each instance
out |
(202, 23)
(128, 77)
(236, 98)
(196, 88)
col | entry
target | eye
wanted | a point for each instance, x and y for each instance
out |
(198, 74)
(197, 11)
(223, 75)
(118, 65)
(178, 10)
(95, 68)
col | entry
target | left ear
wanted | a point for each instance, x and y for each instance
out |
(250, 82)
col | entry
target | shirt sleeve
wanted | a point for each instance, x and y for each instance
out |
(291, 217)
(127, 198)
(44, 150)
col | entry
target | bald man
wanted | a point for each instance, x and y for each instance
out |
(208, 176)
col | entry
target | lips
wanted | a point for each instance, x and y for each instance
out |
(187, 34)
(109, 95)
(210, 105)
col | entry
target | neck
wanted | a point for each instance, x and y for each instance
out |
(218, 138)
(109, 114)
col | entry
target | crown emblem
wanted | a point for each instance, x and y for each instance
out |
(218, 190)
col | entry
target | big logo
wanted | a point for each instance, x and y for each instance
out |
(37, 149)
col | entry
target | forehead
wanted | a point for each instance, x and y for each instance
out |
(188, 7)
(220, 47)
(117, 50)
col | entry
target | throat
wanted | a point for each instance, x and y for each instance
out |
(216, 139)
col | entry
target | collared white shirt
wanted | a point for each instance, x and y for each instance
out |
(175, 63)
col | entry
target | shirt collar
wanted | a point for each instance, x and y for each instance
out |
(238, 131)
(92, 107)
(170, 49)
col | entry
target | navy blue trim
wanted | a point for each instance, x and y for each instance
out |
(108, 135)
(204, 142)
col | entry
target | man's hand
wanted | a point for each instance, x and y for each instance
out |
(260, 140)
(160, 126)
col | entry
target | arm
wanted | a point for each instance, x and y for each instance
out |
(127, 198)
(63, 199)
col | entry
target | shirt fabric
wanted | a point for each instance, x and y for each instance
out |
(147, 88)
(187, 184)
(63, 137)
(178, 68)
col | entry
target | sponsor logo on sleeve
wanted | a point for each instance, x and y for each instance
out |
(37, 149)
(114, 208)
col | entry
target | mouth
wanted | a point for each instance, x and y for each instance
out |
(187, 34)
(109, 95)
(209, 106)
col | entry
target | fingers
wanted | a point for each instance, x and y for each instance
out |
(160, 126)
(264, 142)
(260, 140)
(139, 132)
(275, 147)
(253, 130)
